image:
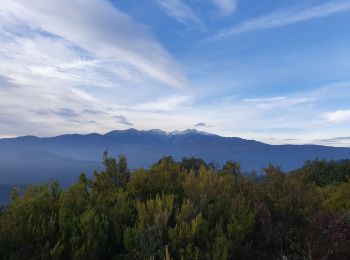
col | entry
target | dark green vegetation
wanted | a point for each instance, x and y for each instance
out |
(183, 210)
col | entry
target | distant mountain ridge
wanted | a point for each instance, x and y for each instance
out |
(30, 159)
(160, 132)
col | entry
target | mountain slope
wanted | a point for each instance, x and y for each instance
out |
(31, 159)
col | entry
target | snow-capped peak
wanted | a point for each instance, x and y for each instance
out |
(188, 131)
(161, 132)
(158, 131)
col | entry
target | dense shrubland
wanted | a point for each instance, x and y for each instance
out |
(183, 210)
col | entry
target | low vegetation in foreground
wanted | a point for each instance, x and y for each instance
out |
(183, 210)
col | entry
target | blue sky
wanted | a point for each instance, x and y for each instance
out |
(275, 71)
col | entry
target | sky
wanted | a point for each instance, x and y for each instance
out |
(274, 71)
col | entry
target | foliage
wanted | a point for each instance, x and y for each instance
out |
(183, 210)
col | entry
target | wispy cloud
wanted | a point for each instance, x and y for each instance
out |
(90, 111)
(285, 17)
(164, 104)
(63, 112)
(280, 101)
(202, 124)
(225, 6)
(83, 122)
(335, 139)
(67, 69)
(123, 120)
(104, 32)
(182, 12)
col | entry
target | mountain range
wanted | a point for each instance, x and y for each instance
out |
(30, 159)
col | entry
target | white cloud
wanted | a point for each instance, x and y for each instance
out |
(102, 30)
(285, 17)
(338, 116)
(181, 11)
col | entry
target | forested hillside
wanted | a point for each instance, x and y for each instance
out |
(183, 210)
